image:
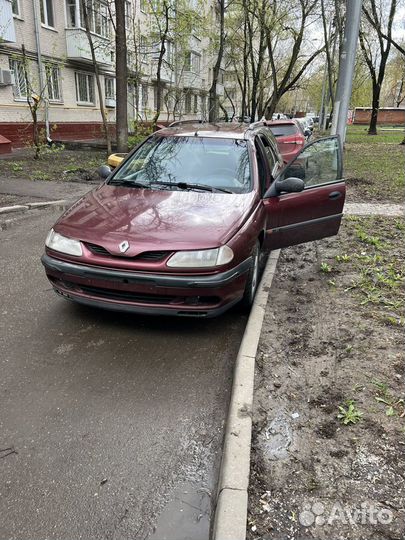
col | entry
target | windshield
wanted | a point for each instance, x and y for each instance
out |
(282, 130)
(216, 163)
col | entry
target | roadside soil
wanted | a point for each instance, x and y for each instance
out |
(54, 164)
(328, 436)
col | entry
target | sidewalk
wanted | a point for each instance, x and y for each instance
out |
(45, 190)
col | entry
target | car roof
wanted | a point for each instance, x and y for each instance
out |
(225, 130)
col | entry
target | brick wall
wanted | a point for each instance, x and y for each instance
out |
(20, 133)
(385, 116)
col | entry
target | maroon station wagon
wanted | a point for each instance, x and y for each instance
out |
(179, 226)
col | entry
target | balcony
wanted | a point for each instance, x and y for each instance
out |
(78, 48)
(192, 80)
(7, 30)
(166, 73)
(220, 89)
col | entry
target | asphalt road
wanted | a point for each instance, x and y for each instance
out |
(116, 420)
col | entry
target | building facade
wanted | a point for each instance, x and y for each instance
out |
(45, 57)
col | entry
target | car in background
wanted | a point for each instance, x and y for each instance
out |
(290, 137)
(305, 125)
(179, 227)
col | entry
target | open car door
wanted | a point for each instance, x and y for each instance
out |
(305, 201)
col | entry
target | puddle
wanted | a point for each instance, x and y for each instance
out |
(186, 516)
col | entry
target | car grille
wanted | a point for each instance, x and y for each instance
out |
(151, 256)
(131, 296)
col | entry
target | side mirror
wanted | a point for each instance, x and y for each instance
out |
(290, 185)
(104, 171)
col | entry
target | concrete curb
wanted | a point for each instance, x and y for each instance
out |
(30, 206)
(18, 214)
(231, 509)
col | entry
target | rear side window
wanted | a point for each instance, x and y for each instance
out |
(282, 130)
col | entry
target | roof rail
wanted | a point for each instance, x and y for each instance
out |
(181, 122)
(258, 123)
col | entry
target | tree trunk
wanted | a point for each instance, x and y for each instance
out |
(163, 38)
(372, 130)
(121, 77)
(213, 99)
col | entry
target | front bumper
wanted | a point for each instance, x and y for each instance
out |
(148, 293)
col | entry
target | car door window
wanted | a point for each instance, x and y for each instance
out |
(262, 166)
(319, 163)
(270, 155)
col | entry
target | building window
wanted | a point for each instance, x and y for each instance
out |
(144, 96)
(84, 88)
(109, 88)
(15, 8)
(97, 13)
(169, 54)
(72, 14)
(20, 84)
(187, 103)
(53, 83)
(47, 17)
(192, 62)
(99, 23)
(195, 104)
(128, 15)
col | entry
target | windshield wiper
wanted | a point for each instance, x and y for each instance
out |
(128, 182)
(187, 185)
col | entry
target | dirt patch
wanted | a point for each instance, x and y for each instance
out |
(56, 164)
(328, 446)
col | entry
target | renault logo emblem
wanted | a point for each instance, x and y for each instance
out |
(124, 246)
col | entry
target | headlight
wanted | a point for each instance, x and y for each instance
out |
(202, 258)
(60, 243)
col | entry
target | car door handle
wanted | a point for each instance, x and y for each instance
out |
(335, 195)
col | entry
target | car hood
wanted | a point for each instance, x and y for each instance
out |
(155, 220)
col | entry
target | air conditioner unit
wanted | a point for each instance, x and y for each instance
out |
(6, 77)
(110, 102)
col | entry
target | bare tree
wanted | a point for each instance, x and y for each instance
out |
(86, 8)
(376, 51)
(213, 98)
(285, 77)
(35, 98)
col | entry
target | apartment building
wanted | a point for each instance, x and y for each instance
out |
(45, 54)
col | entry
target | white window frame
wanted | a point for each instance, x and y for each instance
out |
(194, 62)
(44, 13)
(16, 3)
(188, 102)
(107, 82)
(100, 17)
(88, 77)
(16, 65)
(54, 70)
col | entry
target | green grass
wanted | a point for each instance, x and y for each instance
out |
(385, 135)
(377, 260)
(375, 165)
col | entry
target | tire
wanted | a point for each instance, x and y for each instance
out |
(252, 279)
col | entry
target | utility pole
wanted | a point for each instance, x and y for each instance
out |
(346, 68)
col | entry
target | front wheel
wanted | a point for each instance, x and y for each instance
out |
(252, 279)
